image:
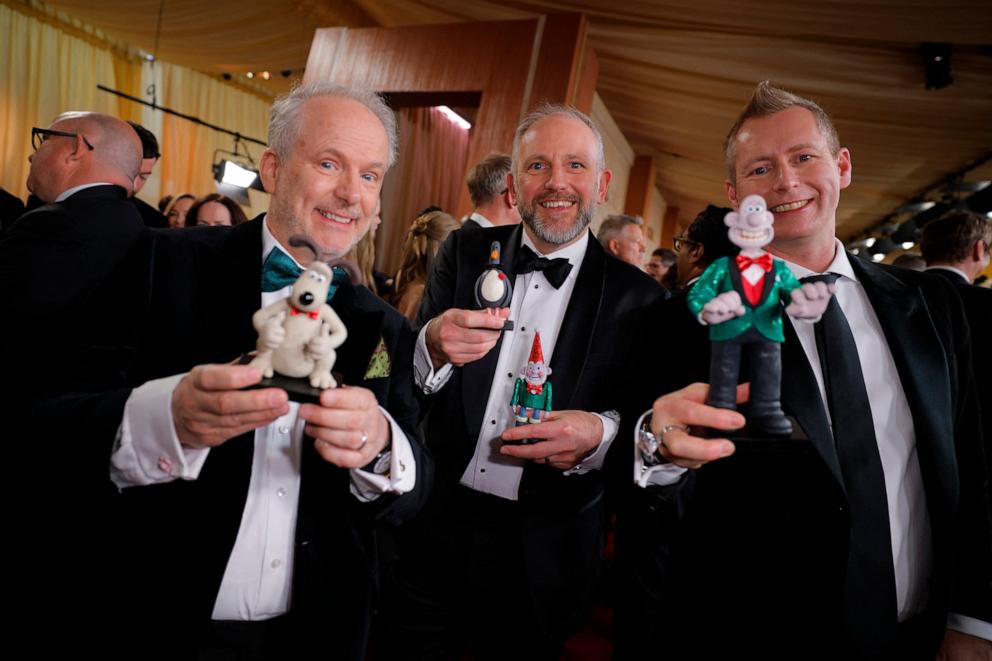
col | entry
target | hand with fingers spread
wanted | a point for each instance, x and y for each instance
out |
(460, 337)
(347, 426)
(722, 307)
(810, 301)
(568, 437)
(686, 407)
(209, 407)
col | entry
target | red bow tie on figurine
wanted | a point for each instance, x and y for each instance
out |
(313, 315)
(765, 262)
(535, 389)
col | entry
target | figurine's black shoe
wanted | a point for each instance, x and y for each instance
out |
(771, 423)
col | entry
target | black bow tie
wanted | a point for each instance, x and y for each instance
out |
(555, 270)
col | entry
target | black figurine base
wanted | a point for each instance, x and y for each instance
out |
(298, 388)
(754, 437)
(508, 325)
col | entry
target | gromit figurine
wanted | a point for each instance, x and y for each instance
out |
(741, 299)
(532, 391)
(297, 335)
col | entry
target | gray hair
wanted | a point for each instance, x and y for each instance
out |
(768, 100)
(487, 178)
(614, 224)
(284, 125)
(546, 110)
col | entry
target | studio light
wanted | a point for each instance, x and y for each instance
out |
(229, 172)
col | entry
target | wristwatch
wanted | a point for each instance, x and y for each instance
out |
(381, 462)
(648, 443)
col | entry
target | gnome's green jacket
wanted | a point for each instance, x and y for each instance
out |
(722, 276)
(528, 400)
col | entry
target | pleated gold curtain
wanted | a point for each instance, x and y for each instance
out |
(430, 171)
(49, 67)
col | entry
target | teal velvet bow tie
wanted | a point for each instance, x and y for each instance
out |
(279, 270)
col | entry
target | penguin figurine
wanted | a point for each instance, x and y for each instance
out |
(493, 289)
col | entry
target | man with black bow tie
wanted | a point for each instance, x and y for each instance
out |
(507, 551)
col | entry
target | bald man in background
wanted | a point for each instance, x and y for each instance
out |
(67, 322)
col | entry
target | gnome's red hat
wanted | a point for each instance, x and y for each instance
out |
(536, 355)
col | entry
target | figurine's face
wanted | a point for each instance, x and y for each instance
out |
(536, 373)
(557, 183)
(310, 289)
(751, 225)
(327, 187)
(786, 159)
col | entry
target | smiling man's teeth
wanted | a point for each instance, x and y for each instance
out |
(791, 206)
(556, 204)
(333, 216)
(753, 236)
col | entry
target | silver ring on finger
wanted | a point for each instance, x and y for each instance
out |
(667, 428)
(365, 439)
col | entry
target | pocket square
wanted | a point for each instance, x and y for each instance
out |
(380, 366)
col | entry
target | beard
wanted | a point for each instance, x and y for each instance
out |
(560, 235)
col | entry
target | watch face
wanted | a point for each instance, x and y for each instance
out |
(382, 463)
(647, 441)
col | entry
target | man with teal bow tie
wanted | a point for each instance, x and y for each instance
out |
(741, 300)
(272, 503)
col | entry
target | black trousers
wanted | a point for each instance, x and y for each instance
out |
(460, 586)
(764, 360)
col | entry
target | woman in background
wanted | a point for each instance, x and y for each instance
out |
(177, 208)
(427, 233)
(214, 210)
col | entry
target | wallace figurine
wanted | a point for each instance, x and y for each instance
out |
(532, 392)
(742, 300)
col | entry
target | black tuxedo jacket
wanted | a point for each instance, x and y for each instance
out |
(66, 343)
(977, 303)
(758, 555)
(563, 527)
(206, 288)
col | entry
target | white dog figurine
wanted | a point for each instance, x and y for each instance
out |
(297, 335)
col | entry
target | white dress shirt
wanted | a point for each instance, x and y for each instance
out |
(536, 307)
(258, 577)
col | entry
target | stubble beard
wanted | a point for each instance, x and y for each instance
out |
(557, 236)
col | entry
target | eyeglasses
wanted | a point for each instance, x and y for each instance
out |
(681, 241)
(38, 137)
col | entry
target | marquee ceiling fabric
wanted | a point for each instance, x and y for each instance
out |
(673, 73)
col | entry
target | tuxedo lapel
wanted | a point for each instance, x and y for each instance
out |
(801, 398)
(920, 360)
(238, 273)
(575, 337)
(477, 377)
(364, 332)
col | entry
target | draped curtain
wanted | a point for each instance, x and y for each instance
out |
(50, 66)
(430, 171)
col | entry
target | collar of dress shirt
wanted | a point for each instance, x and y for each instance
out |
(482, 220)
(75, 189)
(952, 270)
(269, 242)
(841, 265)
(574, 253)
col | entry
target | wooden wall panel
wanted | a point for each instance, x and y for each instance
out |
(494, 59)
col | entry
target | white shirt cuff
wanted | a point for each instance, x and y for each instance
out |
(148, 450)
(659, 475)
(611, 423)
(424, 376)
(402, 477)
(970, 626)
